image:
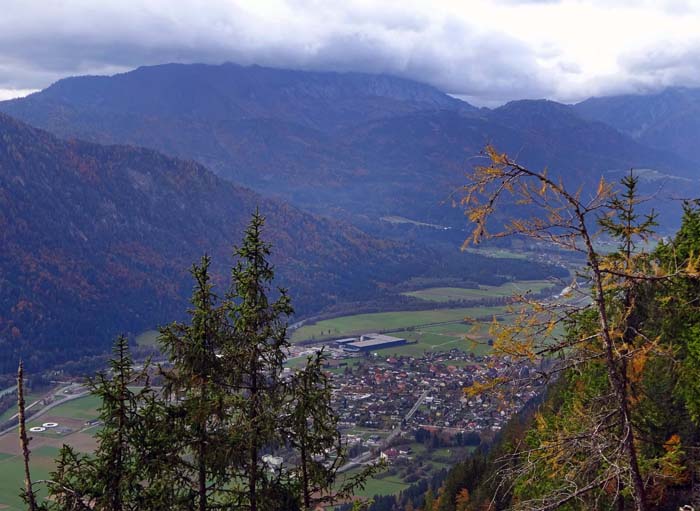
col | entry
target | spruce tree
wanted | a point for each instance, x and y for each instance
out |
(115, 477)
(313, 431)
(194, 397)
(200, 442)
(311, 425)
(257, 351)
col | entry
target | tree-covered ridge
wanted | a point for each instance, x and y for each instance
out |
(96, 239)
(349, 145)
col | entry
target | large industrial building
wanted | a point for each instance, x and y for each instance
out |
(371, 342)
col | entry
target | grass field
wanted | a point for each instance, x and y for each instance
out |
(148, 338)
(44, 447)
(440, 338)
(389, 485)
(11, 478)
(446, 294)
(29, 399)
(499, 253)
(82, 408)
(382, 321)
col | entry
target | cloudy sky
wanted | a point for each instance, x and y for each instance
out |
(486, 51)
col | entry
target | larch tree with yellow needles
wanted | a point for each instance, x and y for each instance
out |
(592, 451)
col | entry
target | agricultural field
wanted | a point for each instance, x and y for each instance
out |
(12, 479)
(148, 338)
(390, 321)
(82, 408)
(499, 253)
(446, 294)
(382, 485)
(443, 338)
(72, 430)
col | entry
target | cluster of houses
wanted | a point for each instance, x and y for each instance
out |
(429, 392)
(404, 394)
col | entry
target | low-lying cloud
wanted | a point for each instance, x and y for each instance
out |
(490, 52)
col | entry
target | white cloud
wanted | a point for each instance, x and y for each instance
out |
(15, 93)
(490, 51)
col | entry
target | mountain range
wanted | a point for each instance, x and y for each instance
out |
(669, 119)
(102, 213)
(99, 237)
(354, 146)
(97, 240)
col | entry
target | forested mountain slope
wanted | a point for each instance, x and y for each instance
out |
(352, 145)
(97, 240)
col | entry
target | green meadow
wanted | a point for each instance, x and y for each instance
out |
(383, 321)
(82, 408)
(44, 448)
(148, 338)
(446, 294)
(11, 475)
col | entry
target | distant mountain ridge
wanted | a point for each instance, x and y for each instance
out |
(669, 119)
(350, 145)
(570, 142)
(229, 92)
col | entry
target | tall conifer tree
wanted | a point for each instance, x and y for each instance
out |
(258, 352)
(116, 476)
(194, 396)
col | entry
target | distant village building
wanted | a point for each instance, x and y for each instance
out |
(371, 342)
(389, 454)
(274, 463)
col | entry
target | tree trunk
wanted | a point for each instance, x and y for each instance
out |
(618, 383)
(202, 476)
(305, 477)
(253, 418)
(23, 440)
